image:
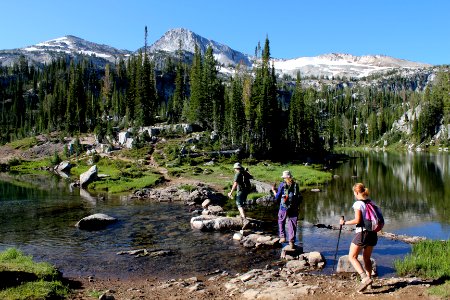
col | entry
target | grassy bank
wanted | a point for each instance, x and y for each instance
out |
(22, 278)
(128, 169)
(221, 173)
(30, 166)
(428, 259)
(121, 175)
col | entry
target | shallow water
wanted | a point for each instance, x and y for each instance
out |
(39, 216)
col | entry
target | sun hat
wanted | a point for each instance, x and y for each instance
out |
(286, 174)
(237, 166)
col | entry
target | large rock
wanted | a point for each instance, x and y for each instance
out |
(315, 258)
(129, 143)
(88, 176)
(123, 136)
(64, 166)
(259, 240)
(95, 222)
(297, 265)
(215, 210)
(261, 187)
(306, 261)
(404, 124)
(187, 128)
(344, 265)
(267, 200)
(215, 223)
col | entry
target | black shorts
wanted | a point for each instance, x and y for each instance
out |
(365, 238)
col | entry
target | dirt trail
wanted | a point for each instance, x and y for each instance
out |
(203, 287)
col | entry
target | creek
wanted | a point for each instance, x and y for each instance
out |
(38, 214)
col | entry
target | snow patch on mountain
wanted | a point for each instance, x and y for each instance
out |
(72, 44)
(341, 65)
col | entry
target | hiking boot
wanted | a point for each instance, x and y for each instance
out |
(245, 224)
(282, 240)
(365, 282)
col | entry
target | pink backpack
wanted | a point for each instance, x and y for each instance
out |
(373, 218)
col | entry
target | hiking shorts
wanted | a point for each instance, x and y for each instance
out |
(365, 238)
(241, 199)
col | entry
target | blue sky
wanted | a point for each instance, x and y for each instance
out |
(408, 29)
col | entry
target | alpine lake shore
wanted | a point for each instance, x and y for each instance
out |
(423, 274)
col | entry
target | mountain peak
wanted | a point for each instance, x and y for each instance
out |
(170, 42)
(45, 52)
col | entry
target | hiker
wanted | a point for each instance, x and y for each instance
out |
(364, 239)
(289, 196)
(241, 191)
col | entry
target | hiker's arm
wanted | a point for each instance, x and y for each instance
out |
(278, 193)
(355, 221)
(234, 187)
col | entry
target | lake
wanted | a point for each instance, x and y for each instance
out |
(38, 214)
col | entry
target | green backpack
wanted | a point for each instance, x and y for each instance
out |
(246, 184)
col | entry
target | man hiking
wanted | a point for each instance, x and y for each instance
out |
(240, 185)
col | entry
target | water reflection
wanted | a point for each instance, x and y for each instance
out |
(411, 188)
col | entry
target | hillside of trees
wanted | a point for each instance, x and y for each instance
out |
(254, 110)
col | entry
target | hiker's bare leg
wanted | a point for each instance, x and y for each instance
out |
(367, 253)
(241, 212)
(353, 258)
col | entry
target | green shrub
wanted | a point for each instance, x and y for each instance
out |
(95, 158)
(47, 286)
(36, 290)
(428, 259)
(187, 187)
(55, 160)
(14, 162)
(23, 144)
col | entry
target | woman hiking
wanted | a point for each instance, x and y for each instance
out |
(289, 196)
(364, 239)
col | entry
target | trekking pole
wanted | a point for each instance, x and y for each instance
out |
(337, 246)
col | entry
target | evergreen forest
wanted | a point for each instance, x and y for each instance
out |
(255, 110)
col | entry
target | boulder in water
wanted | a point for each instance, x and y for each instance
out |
(95, 222)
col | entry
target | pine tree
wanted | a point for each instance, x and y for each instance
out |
(179, 96)
(296, 122)
(236, 113)
(195, 109)
(213, 93)
(263, 108)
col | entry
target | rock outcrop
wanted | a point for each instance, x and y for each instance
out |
(198, 194)
(89, 176)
